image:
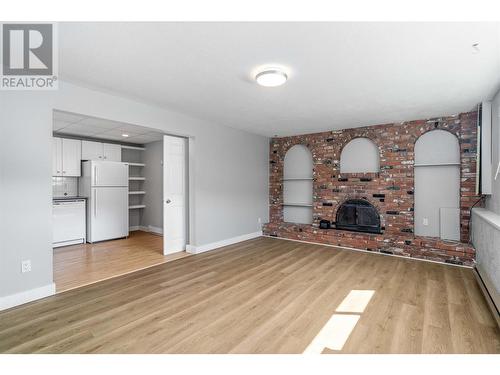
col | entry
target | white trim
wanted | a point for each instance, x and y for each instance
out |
(55, 245)
(367, 251)
(156, 230)
(148, 228)
(27, 296)
(215, 245)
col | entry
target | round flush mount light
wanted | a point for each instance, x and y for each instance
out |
(124, 135)
(271, 77)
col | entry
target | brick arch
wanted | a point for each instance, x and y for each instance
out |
(296, 142)
(348, 139)
(431, 127)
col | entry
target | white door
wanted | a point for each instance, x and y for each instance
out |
(56, 156)
(112, 152)
(71, 157)
(174, 194)
(109, 173)
(92, 150)
(109, 213)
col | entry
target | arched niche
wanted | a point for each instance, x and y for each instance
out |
(298, 185)
(437, 185)
(361, 155)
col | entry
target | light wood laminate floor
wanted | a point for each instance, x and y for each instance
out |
(264, 296)
(79, 265)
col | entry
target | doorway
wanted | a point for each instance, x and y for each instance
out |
(155, 203)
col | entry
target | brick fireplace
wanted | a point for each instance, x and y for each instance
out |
(390, 191)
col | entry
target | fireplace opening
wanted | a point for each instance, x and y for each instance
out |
(358, 215)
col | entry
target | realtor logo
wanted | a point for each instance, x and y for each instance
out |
(28, 57)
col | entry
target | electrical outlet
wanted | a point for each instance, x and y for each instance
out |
(425, 221)
(26, 266)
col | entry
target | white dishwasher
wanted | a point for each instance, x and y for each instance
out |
(68, 225)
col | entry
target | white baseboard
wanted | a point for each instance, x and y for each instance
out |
(215, 245)
(27, 296)
(156, 230)
(148, 228)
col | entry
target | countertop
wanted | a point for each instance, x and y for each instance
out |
(67, 198)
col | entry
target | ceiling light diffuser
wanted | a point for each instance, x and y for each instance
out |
(271, 77)
(124, 135)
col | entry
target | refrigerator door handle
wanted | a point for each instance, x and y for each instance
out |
(95, 203)
(95, 174)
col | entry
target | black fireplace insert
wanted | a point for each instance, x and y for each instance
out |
(358, 215)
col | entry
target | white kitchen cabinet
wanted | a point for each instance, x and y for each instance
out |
(71, 157)
(112, 152)
(92, 150)
(101, 151)
(56, 156)
(66, 157)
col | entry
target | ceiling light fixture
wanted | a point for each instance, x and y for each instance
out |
(124, 135)
(271, 77)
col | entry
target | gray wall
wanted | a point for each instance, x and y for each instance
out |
(153, 171)
(485, 234)
(493, 201)
(230, 173)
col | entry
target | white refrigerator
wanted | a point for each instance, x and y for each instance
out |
(105, 184)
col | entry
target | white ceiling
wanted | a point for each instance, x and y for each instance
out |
(341, 75)
(91, 127)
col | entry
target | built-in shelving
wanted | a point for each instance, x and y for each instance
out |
(297, 204)
(437, 165)
(134, 157)
(137, 206)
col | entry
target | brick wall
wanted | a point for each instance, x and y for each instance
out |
(390, 190)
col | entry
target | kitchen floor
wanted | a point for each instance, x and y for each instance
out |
(79, 265)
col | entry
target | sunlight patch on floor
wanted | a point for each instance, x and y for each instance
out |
(339, 327)
(356, 301)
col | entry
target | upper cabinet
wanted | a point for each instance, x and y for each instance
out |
(66, 157)
(101, 151)
(112, 152)
(92, 150)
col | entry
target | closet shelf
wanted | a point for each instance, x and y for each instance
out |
(137, 178)
(298, 179)
(136, 192)
(136, 206)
